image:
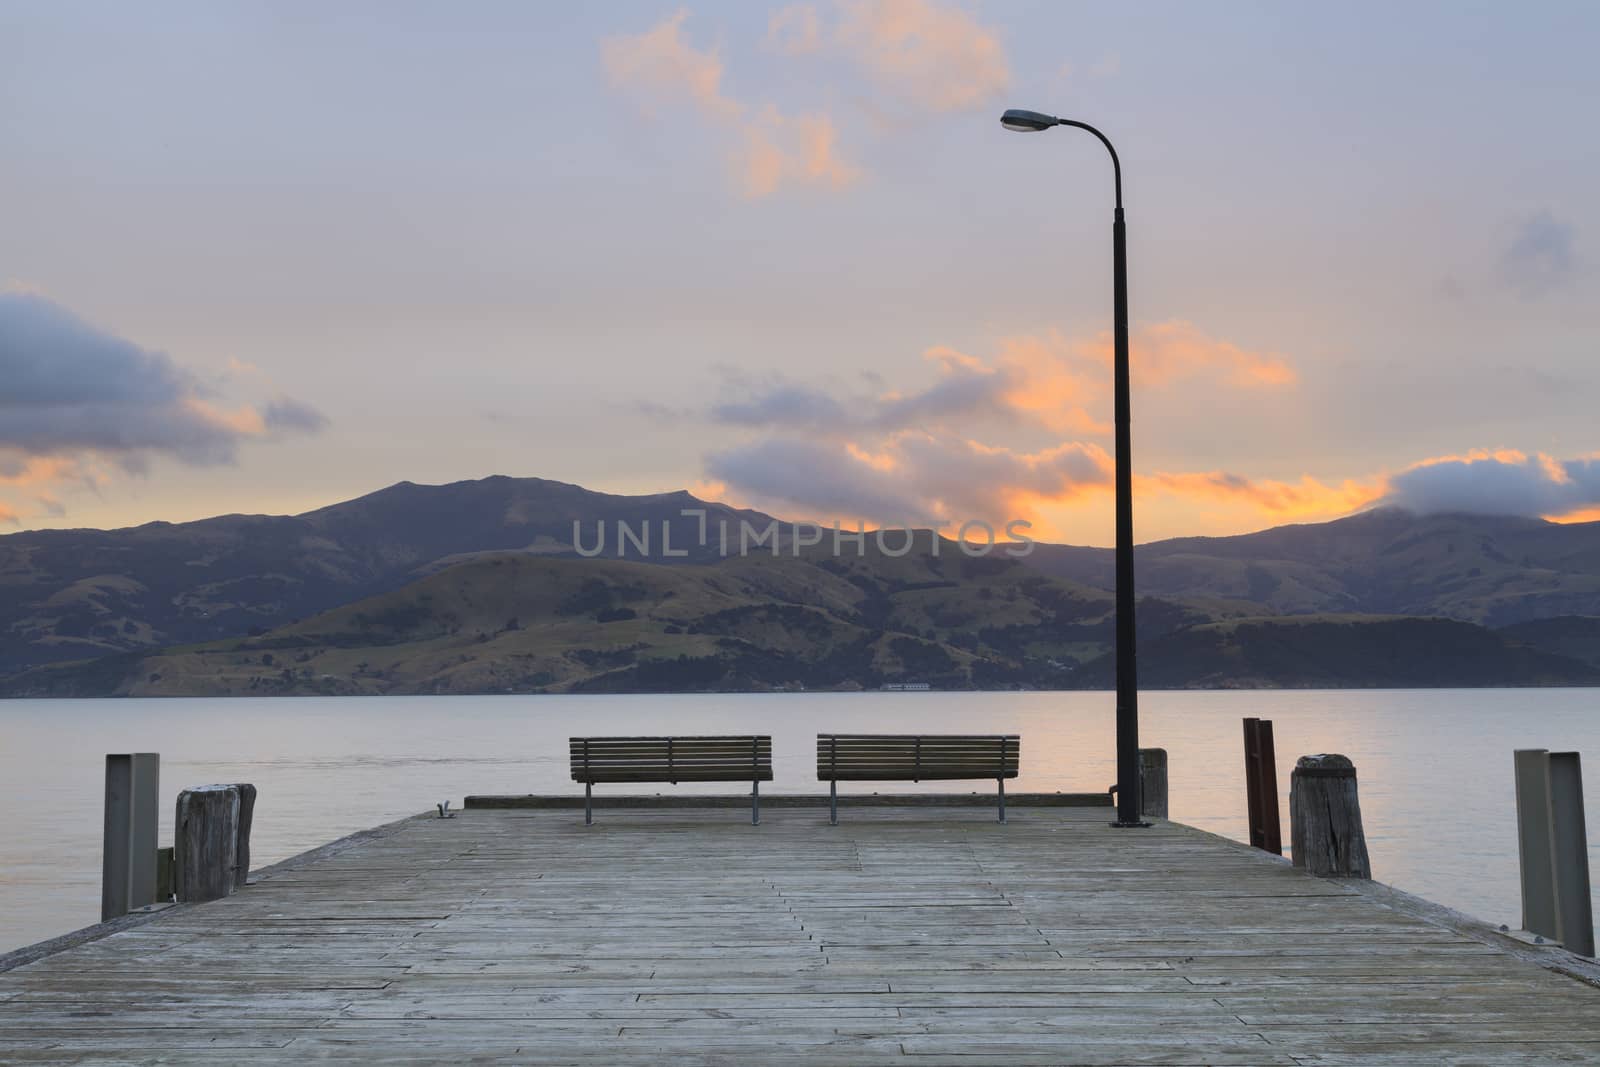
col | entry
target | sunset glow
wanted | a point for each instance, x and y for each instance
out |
(788, 258)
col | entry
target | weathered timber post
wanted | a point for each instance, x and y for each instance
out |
(247, 810)
(132, 801)
(1153, 782)
(164, 886)
(1325, 818)
(1553, 850)
(1261, 786)
(206, 853)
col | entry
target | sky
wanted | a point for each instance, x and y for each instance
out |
(262, 257)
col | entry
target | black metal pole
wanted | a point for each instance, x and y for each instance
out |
(1128, 791)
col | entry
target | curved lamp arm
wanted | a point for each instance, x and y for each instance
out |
(1116, 164)
(1035, 121)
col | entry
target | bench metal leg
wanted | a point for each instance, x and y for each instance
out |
(588, 797)
(833, 803)
(1002, 783)
(755, 803)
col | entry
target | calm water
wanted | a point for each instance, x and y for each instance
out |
(1435, 766)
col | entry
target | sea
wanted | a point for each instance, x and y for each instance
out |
(1434, 766)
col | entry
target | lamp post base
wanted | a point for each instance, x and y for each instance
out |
(1137, 824)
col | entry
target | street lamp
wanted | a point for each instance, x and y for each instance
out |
(1127, 673)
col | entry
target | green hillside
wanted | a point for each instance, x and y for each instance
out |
(525, 623)
(517, 622)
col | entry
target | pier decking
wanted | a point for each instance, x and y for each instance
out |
(913, 935)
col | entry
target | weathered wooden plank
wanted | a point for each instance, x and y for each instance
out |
(910, 934)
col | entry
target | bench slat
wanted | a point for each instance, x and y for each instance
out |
(671, 759)
(660, 777)
(914, 757)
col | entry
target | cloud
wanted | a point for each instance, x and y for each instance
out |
(795, 30)
(1503, 482)
(78, 402)
(782, 148)
(930, 55)
(1542, 256)
(17, 469)
(938, 453)
(768, 149)
(966, 389)
(285, 414)
(1165, 352)
(823, 479)
(947, 450)
(662, 61)
(788, 406)
(1481, 482)
(915, 478)
(1305, 498)
(1045, 381)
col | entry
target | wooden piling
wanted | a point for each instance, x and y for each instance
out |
(1261, 786)
(1153, 782)
(247, 809)
(1325, 818)
(206, 849)
(164, 872)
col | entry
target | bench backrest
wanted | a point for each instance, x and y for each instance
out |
(916, 757)
(671, 759)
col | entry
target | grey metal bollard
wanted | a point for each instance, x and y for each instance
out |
(132, 803)
(1325, 832)
(1532, 769)
(1553, 850)
(1153, 782)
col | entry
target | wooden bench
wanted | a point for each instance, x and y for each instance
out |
(674, 760)
(914, 758)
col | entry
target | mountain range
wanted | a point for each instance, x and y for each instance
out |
(479, 586)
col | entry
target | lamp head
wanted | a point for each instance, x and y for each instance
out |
(1028, 121)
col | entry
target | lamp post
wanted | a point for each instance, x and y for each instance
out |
(1127, 672)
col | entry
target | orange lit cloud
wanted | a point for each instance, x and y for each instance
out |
(1165, 352)
(661, 61)
(941, 452)
(769, 148)
(30, 471)
(927, 54)
(934, 478)
(780, 148)
(967, 446)
(1307, 498)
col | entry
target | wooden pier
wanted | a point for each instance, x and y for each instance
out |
(926, 935)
